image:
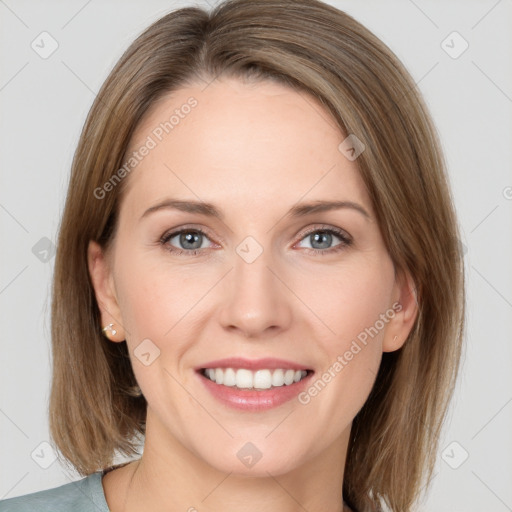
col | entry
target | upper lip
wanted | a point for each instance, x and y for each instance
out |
(253, 364)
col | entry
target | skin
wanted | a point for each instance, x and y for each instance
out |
(254, 150)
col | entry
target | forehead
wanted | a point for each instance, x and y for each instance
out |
(240, 144)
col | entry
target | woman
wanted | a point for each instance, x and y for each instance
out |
(306, 343)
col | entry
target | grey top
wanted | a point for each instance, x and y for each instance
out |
(85, 495)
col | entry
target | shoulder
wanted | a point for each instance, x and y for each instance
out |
(81, 496)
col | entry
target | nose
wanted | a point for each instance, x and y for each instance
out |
(257, 302)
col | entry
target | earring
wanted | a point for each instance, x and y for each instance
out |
(109, 328)
(394, 339)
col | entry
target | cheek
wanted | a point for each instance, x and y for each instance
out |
(153, 300)
(154, 296)
(351, 299)
(358, 309)
(157, 303)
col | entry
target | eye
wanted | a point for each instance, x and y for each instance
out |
(321, 240)
(189, 241)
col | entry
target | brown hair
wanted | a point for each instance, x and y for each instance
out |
(313, 48)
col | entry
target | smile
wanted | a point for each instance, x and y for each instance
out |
(254, 391)
(243, 378)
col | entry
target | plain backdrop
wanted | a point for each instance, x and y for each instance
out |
(44, 100)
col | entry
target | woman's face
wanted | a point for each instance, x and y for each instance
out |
(265, 277)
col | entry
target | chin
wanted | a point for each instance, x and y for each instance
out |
(256, 459)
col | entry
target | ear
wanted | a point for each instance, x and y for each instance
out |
(405, 307)
(103, 283)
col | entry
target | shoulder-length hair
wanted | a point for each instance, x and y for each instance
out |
(316, 49)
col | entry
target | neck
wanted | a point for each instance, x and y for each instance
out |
(168, 473)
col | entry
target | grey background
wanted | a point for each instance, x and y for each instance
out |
(43, 106)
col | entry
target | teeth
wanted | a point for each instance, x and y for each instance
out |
(260, 379)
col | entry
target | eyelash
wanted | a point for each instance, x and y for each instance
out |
(346, 241)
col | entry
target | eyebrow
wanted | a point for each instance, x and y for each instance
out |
(209, 210)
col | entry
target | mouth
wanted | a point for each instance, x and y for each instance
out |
(251, 390)
(254, 385)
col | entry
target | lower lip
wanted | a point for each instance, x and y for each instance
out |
(252, 400)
